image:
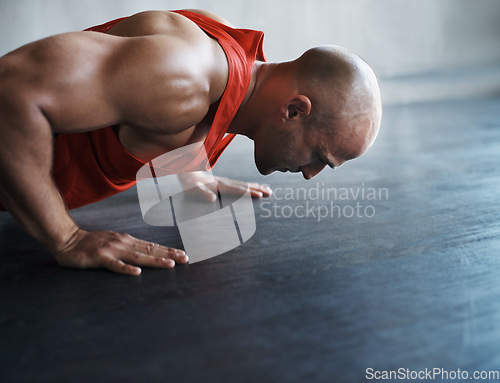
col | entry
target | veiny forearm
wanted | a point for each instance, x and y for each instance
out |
(27, 189)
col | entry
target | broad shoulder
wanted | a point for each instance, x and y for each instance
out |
(180, 41)
(174, 79)
(153, 23)
(212, 15)
(186, 71)
(160, 23)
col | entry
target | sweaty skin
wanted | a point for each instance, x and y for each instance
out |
(154, 64)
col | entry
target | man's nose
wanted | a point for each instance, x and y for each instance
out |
(309, 171)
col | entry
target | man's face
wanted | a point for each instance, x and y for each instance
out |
(297, 148)
(292, 148)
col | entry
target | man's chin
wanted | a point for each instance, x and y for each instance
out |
(263, 170)
(266, 172)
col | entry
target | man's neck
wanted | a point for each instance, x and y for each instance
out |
(241, 123)
(257, 68)
(251, 108)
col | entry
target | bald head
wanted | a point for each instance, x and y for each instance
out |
(344, 94)
(321, 109)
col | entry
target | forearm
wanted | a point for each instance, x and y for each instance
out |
(27, 189)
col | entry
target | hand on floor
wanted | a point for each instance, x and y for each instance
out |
(196, 183)
(120, 253)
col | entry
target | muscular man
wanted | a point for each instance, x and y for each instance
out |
(156, 80)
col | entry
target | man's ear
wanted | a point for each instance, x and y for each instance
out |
(296, 107)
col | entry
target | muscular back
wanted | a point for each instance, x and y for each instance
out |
(156, 83)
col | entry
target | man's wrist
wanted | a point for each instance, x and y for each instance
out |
(61, 237)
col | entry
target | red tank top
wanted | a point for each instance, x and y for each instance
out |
(91, 166)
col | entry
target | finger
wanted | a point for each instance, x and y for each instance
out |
(181, 257)
(206, 193)
(264, 189)
(120, 267)
(256, 194)
(156, 250)
(232, 187)
(250, 185)
(140, 259)
(202, 191)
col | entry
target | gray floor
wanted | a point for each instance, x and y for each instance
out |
(403, 273)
